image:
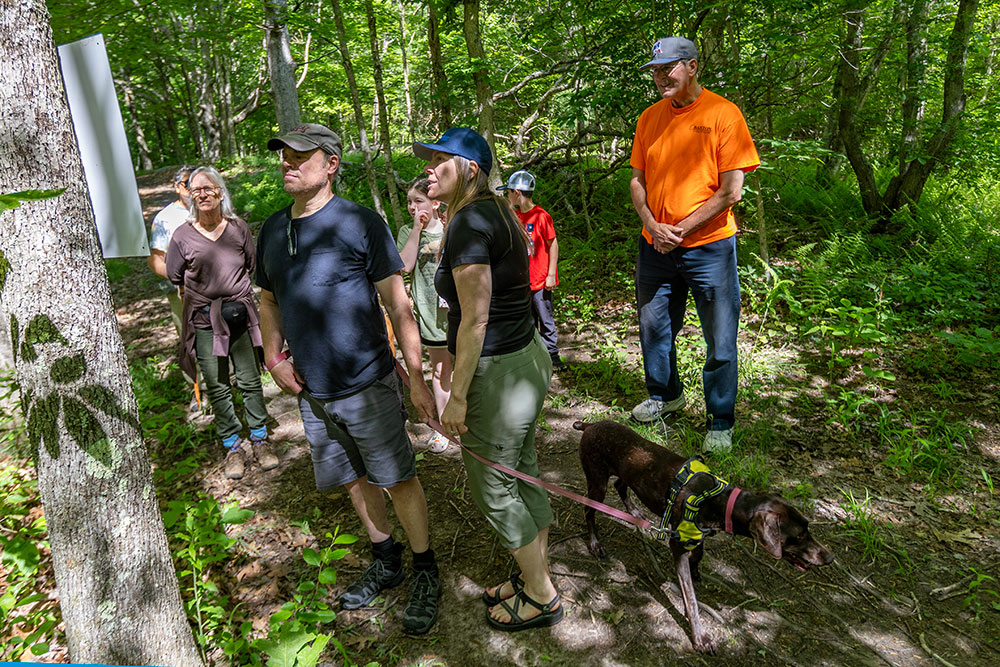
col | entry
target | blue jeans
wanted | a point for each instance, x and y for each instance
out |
(662, 283)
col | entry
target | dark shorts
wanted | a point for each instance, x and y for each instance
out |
(361, 434)
(433, 343)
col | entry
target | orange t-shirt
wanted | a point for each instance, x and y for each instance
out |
(683, 151)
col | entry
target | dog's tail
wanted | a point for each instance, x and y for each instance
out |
(580, 426)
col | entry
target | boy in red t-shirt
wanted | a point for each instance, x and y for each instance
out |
(543, 252)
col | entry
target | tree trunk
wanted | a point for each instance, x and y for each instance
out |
(908, 184)
(913, 82)
(383, 118)
(359, 116)
(117, 588)
(280, 65)
(142, 148)
(442, 95)
(207, 118)
(406, 71)
(481, 77)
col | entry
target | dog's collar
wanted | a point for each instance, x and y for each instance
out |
(730, 504)
(687, 533)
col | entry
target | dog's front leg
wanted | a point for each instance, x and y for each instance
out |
(702, 641)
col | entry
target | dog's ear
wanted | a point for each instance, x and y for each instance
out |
(765, 529)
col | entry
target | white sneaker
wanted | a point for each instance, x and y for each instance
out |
(652, 409)
(718, 441)
(438, 444)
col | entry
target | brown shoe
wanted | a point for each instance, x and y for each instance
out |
(236, 461)
(262, 452)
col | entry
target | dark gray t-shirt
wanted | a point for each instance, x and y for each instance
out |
(480, 234)
(326, 292)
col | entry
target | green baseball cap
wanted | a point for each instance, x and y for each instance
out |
(307, 137)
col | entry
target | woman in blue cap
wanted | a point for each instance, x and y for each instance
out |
(501, 372)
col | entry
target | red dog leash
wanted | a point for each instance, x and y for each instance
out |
(640, 523)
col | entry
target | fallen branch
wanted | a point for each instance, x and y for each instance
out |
(923, 644)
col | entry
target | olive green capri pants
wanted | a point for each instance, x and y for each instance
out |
(503, 404)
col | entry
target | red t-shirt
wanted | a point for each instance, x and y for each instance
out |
(538, 223)
(683, 151)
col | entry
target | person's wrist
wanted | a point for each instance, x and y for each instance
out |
(277, 360)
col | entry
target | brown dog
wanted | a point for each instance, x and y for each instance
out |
(609, 449)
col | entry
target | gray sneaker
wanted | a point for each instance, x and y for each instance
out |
(421, 611)
(652, 409)
(718, 441)
(236, 461)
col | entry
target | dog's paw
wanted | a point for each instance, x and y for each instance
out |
(596, 549)
(704, 644)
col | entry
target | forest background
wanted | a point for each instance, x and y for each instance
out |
(869, 240)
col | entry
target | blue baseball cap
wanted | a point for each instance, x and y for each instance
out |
(668, 50)
(461, 141)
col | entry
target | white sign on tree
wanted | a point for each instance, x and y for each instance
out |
(100, 134)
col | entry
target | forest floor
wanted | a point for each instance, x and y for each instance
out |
(914, 597)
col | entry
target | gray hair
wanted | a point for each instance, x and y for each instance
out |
(182, 174)
(227, 203)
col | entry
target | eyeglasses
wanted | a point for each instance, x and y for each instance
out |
(293, 240)
(663, 70)
(208, 192)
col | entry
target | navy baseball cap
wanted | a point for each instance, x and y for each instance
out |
(461, 141)
(668, 50)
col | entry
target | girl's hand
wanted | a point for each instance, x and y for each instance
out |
(422, 219)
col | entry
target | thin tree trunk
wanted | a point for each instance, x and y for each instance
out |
(359, 116)
(913, 82)
(142, 148)
(481, 77)
(442, 95)
(117, 589)
(280, 65)
(383, 118)
(207, 118)
(406, 71)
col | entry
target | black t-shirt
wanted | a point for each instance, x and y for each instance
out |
(329, 306)
(480, 234)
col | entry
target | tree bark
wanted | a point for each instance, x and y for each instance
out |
(207, 116)
(406, 71)
(117, 588)
(383, 118)
(142, 148)
(481, 77)
(280, 65)
(359, 116)
(442, 95)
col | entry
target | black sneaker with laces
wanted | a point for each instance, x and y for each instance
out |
(377, 577)
(422, 610)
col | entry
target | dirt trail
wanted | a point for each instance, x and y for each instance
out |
(626, 609)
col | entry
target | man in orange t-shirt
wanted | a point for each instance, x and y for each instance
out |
(689, 157)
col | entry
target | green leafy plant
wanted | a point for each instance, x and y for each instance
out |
(294, 638)
(198, 540)
(862, 525)
(981, 596)
(28, 618)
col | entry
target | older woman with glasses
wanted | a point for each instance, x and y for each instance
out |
(213, 257)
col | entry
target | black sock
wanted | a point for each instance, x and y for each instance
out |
(424, 560)
(386, 550)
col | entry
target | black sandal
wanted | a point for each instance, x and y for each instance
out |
(551, 614)
(493, 600)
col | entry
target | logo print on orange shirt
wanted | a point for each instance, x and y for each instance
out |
(701, 129)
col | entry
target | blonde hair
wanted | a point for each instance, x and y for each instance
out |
(477, 188)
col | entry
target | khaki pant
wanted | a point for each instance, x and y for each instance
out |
(504, 401)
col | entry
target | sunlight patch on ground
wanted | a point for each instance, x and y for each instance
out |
(895, 648)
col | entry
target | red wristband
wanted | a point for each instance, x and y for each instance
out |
(277, 360)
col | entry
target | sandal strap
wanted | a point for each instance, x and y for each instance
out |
(521, 599)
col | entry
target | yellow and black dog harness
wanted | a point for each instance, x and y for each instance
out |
(688, 534)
